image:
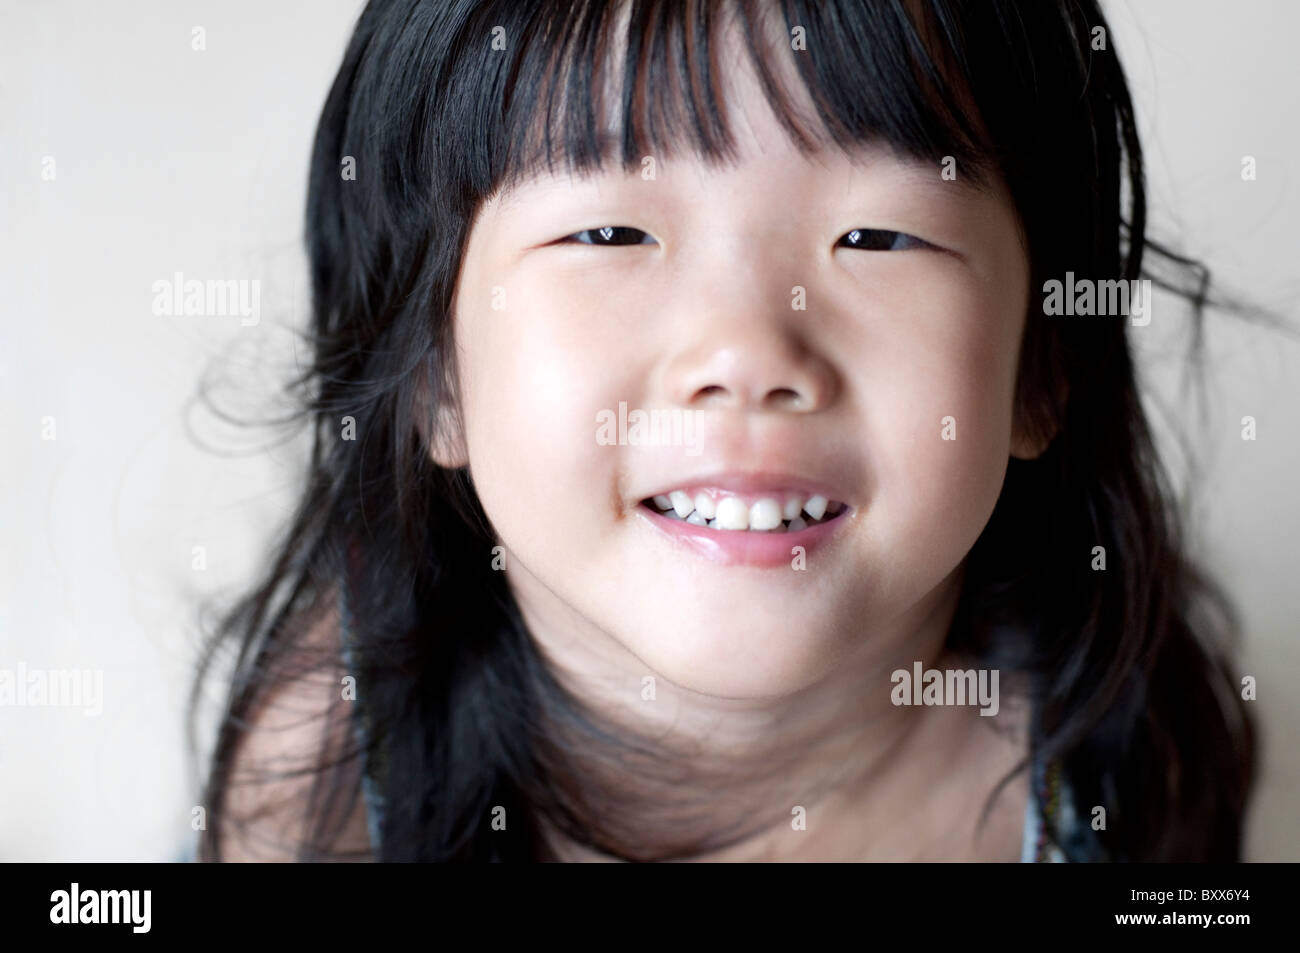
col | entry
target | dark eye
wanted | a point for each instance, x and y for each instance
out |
(881, 239)
(612, 235)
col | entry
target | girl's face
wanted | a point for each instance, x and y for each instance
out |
(880, 376)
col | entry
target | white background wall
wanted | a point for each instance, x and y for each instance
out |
(168, 159)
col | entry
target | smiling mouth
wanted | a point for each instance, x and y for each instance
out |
(730, 514)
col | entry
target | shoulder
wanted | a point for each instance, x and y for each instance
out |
(294, 749)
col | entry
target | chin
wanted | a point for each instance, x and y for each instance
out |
(734, 656)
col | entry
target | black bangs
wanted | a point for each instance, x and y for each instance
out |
(580, 83)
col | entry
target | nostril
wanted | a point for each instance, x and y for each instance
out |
(786, 396)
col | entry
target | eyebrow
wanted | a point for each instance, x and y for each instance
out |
(975, 178)
(608, 147)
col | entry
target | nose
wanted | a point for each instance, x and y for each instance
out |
(752, 375)
(749, 352)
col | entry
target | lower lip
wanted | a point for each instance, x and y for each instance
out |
(732, 547)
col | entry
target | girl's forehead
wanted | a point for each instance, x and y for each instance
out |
(601, 98)
(762, 153)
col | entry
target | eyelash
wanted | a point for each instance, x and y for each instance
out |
(868, 237)
(864, 239)
(611, 229)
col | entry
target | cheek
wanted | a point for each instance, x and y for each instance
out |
(535, 373)
(938, 400)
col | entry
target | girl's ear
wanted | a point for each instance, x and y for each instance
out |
(441, 429)
(1029, 439)
(1026, 447)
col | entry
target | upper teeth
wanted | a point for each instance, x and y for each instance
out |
(722, 510)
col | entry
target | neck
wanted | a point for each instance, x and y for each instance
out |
(826, 770)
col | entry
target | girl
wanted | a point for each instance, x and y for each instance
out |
(819, 229)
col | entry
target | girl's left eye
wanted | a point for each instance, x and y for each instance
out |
(881, 239)
(611, 235)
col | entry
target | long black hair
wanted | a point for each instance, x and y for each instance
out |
(439, 104)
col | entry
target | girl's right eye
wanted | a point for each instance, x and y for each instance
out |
(881, 239)
(611, 235)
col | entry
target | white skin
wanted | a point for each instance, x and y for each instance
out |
(785, 674)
